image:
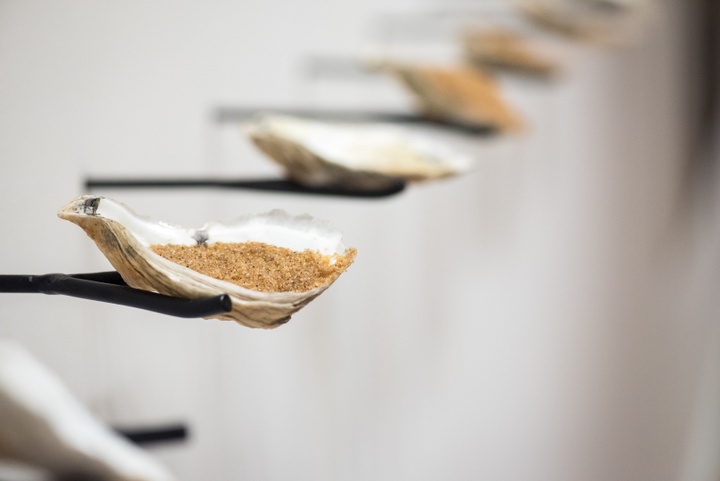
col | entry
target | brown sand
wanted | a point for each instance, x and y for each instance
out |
(258, 266)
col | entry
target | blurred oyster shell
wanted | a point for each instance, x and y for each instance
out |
(125, 239)
(463, 95)
(357, 156)
(614, 22)
(503, 49)
(45, 427)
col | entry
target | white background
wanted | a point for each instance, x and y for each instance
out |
(547, 317)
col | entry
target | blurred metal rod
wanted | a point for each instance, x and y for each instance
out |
(154, 435)
(242, 114)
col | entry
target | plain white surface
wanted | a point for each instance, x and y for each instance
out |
(547, 317)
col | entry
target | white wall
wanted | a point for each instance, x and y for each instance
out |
(547, 317)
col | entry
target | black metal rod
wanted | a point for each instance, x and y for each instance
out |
(161, 434)
(266, 185)
(108, 288)
(18, 283)
(109, 277)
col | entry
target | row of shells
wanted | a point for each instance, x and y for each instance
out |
(316, 153)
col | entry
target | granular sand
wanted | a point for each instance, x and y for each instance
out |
(259, 266)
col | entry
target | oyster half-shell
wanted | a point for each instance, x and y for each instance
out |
(464, 95)
(44, 426)
(611, 22)
(357, 156)
(504, 49)
(125, 239)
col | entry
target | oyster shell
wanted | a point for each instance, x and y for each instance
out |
(357, 156)
(614, 22)
(45, 426)
(463, 95)
(498, 48)
(125, 239)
